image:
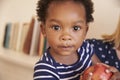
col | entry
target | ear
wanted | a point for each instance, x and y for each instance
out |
(42, 29)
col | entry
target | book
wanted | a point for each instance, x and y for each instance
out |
(7, 35)
(35, 38)
(15, 35)
(12, 33)
(19, 36)
(28, 38)
(23, 35)
(41, 44)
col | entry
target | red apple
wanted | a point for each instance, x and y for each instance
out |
(99, 72)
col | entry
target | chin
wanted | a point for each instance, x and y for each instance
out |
(65, 53)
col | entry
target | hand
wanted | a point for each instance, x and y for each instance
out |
(88, 76)
(116, 73)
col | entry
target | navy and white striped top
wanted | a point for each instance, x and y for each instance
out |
(48, 69)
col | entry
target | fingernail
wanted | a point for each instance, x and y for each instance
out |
(90, 73)
(107, 71)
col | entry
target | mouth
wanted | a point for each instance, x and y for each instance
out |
(66, 48)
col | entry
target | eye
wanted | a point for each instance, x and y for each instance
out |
(56, 27)
(76, 28)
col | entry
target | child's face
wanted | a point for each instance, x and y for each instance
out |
(65, 27)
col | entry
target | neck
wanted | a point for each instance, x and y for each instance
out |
(67, 60)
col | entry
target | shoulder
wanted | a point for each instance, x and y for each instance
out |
(43, 65)
(45, 62)
(44, 69)
(86, 44)
(86, 48)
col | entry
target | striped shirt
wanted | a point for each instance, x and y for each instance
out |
(48, 69)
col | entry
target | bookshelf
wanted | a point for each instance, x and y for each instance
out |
(14, 64)
(20, 59)
(23, 44)
(21, 49)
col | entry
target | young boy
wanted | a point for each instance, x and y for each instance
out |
(64, 23)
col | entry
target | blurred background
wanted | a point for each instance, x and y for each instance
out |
(20, 67)
(106, 16)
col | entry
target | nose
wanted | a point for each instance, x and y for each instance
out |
(66, 38)
(66, 34)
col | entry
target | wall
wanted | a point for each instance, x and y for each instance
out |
(15, 11)
(106, 17)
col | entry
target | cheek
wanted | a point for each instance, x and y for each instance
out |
(80, 35)
(51, 35)
(51, 38)
(79, 42)
(79, 38)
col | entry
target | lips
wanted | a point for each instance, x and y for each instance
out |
(66, 48)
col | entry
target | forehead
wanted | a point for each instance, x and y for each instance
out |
(66, 8)
(65, 4)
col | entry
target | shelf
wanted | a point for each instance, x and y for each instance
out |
(18, 58)
(16, 65)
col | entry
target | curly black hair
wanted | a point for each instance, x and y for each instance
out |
(43, 5)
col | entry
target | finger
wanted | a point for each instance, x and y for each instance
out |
(107, 71)
(113, 69)
(90, 76)
(104, 64)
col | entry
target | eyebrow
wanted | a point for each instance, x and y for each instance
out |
(80, 21)
(54, 20)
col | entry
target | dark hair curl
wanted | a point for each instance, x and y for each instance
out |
(43, 5)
